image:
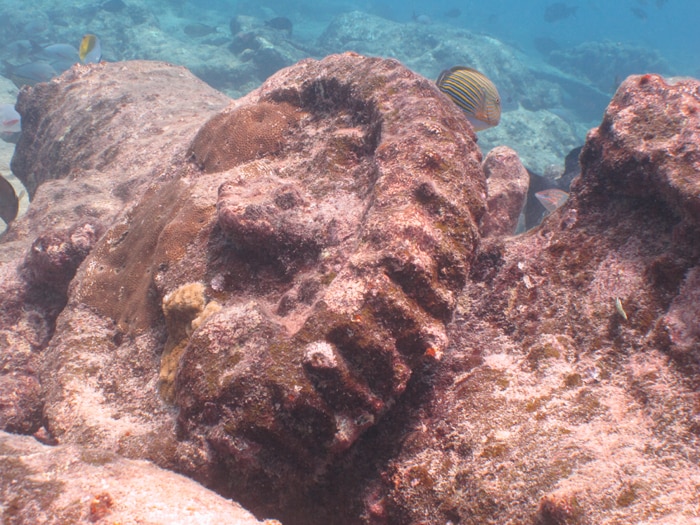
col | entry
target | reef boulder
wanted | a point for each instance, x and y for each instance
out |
(255, 288)
(92, 485)
(287, 297)
(338, 246)
(569, 392)
(83, 158)
(507, 181)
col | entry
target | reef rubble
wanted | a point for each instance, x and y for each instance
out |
(291, 299)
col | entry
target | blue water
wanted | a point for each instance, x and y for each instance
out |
(671, 27)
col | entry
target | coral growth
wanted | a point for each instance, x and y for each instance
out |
(242, 134)
(185, 309)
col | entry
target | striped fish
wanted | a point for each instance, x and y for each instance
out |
(474, 93)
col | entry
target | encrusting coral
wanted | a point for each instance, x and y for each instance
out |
(185, 309)
(242, 134)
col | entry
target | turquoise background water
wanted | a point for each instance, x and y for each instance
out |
(671, 27)
(555, 76)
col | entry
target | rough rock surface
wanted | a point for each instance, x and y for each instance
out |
(293, 284)
(70, 484)
(507, 183)
(84, 158)
(336, 260)
(314, 326)
(569, 394)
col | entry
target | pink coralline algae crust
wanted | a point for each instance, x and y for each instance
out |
(642, 149)
(507, 181)
(315, 326)
(331, 260)
(361, 229)
(552, 407)
(84, 157)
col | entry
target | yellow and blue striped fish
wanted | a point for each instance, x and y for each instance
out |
(90, 50)
(474, 93)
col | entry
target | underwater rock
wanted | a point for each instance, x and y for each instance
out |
(647, 147)
(70, 484)
(337, 258)
(605, 64)
(507, 182)
(571, 379)
(335, 253)
(54, 121)
(317, 329)
(74, 202)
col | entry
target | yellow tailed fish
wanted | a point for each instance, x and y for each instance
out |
(90, 49)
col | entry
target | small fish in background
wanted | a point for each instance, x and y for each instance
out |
(281, 23)
(9, 202)
(60, 56)
(10, 123)
(19, 49)
(90, 51)
(198, 29)
(472, 91)
(30, 73)
(35, 28)
(558, 11)
(57, 52)
(113, 6)
(545, 45)
(639, 13)
(552, 198)
(454, 12)
(422, 19)
(660, 3)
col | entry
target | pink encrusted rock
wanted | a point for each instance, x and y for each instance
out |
(83, 156)
(295, 281)
(349, 246)
(81, 486)
(507, 181)
(647, 145)
(569, 393)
